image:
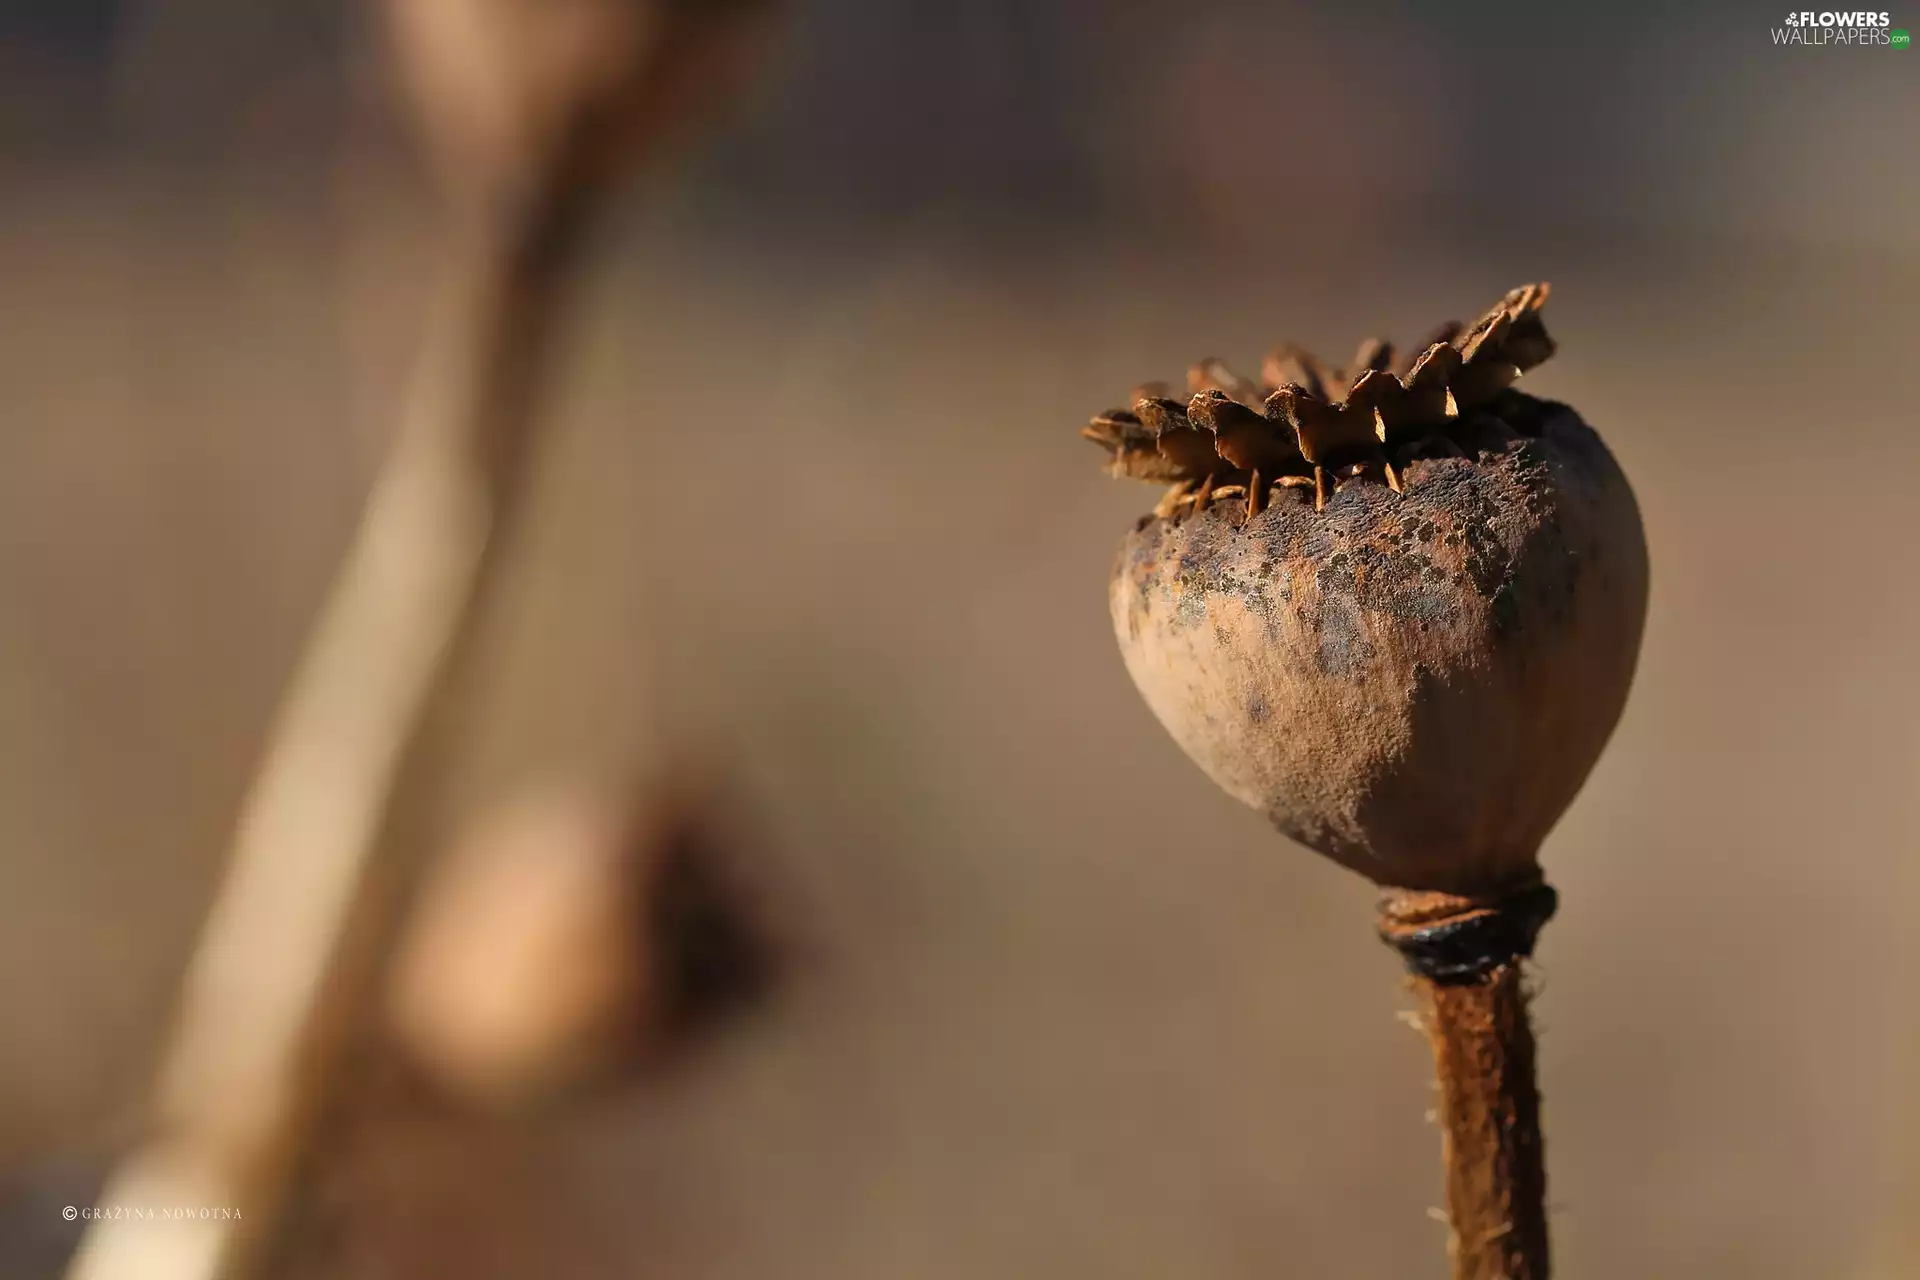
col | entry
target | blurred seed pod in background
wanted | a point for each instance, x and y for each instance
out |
(510, 91)
(569, 938)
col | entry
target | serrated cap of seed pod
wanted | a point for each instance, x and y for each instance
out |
(1395, 607)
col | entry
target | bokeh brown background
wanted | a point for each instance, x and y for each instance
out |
(813, 503)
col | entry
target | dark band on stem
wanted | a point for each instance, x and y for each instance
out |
(1452, 941)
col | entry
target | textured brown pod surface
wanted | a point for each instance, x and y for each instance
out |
(1407, 636)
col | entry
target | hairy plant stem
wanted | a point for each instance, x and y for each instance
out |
(1483, 1059)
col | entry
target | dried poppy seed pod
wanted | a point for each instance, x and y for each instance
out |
(1401, 621)
(1397, 609)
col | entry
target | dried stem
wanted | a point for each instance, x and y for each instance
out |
(245, 1069)
(1483, 1057)
(529, 111)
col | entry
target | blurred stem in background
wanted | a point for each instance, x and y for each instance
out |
(529, 110)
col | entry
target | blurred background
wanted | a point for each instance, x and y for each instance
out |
(813, 505)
